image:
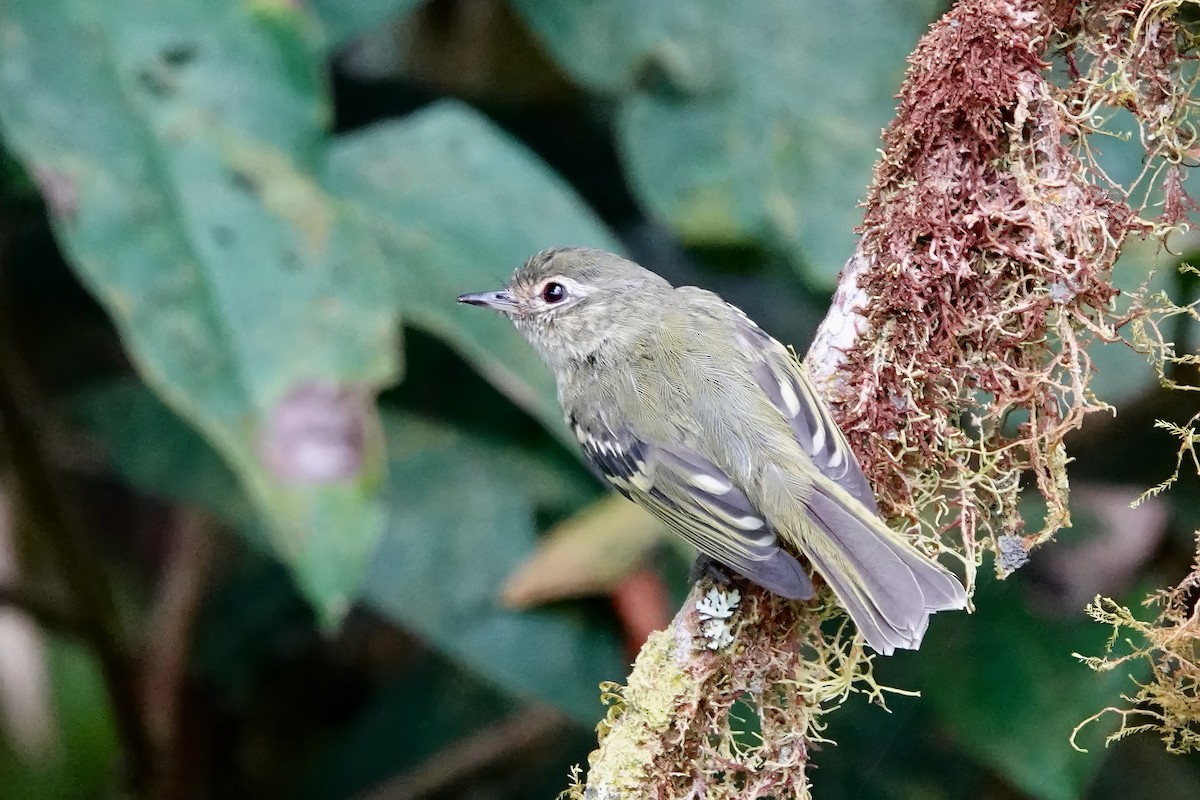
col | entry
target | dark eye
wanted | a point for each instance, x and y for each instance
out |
(554, 292)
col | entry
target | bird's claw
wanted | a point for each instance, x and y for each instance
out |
(708, 567)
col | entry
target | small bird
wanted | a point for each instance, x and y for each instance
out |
(689, 409)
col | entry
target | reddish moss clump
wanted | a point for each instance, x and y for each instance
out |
(991, 235)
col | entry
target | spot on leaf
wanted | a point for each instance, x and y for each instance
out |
(316, 434)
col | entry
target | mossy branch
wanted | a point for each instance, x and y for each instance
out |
(955, 356)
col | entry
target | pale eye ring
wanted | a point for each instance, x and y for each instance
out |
(554, 292)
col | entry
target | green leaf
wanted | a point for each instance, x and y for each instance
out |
(445, 557)
(1004, 681)
(745, 122)
(154, 450)
(456, 205)
(256, 283)
(343, 20)
(1140, 767)
(461, 519)
(588, 554)
(172, 457)
(178, 145)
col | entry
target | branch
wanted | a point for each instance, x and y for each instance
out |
(181, 590)
(50, 614)
(54, 514)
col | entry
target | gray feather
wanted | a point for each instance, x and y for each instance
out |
(878, 633)
(893, 588)
(883, 576)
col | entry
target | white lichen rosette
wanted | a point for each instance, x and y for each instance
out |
(715, 610)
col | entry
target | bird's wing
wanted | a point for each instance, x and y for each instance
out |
(779, 374)
(697, 500)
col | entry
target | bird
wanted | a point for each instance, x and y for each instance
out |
(688, 408)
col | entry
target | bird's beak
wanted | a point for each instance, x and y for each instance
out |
(499, 301)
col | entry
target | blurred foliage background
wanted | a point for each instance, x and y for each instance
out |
(266, 488)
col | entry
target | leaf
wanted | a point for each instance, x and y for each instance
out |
(444, 558)
(177, 145)
(259, 302)
(152, 448)
(590, 553)
(456, 205)
(744, 122)
(461, 519)
(1004, 681)
(1141, 768)
(344, 20)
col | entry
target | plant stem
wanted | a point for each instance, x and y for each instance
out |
(53, 513)
(48, 613)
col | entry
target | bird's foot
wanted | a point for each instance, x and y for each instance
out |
(708, 567)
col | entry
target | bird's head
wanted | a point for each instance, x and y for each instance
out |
(569, 302)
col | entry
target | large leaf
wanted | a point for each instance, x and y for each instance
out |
(177, 144)
(590, 553)
(441, 566)
(171, 460)
(182, 148)
(743, 122)
(456, 206)
(461, 519)
(1005, 682)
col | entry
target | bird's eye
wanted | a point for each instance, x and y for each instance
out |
(554, 292)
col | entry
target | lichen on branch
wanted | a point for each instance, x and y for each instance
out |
(679, 727)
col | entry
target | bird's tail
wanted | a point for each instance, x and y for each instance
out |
(889, 588)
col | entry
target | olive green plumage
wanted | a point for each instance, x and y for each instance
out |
(689, 409)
